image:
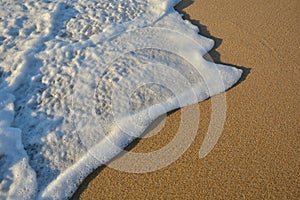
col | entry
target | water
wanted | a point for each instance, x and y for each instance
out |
(79, 80)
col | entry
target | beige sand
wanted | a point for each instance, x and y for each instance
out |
(258, 153)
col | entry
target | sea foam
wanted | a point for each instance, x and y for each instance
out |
(79, 80)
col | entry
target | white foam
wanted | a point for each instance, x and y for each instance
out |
(17, 179)
(76, 77)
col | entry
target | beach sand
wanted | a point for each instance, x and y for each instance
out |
(258, 153)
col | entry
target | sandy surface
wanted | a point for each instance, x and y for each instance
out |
(258, 153)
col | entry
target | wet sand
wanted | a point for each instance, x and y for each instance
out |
(258, 153)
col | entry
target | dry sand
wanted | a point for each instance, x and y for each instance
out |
(258, 153)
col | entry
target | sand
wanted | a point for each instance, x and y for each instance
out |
(258, 153)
